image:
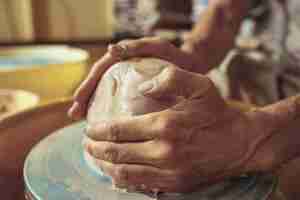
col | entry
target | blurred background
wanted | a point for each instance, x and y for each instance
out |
(48, 46)
(69, 20)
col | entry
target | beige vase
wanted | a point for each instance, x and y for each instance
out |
(73, 19)
(16, 21)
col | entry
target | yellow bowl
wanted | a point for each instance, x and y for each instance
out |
(52, 72)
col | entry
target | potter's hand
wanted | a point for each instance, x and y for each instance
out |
(199, 140)
(149, 47)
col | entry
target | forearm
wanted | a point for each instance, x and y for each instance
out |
(214, 35)
(282, 126)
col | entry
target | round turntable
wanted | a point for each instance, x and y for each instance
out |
(60, 168)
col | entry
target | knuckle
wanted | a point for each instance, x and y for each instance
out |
(163, 125)
(167, 154)
(110, 153)
(170, 79)
(171, 75)
(122, 174)
(113, 131)
(171, 126)
(91, 132)
(167, 123)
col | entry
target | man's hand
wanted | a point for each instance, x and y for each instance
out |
(198, 141)
(146, 47)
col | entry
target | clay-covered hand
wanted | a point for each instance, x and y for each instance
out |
(199, 140)
(145, 47)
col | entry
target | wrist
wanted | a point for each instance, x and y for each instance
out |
(199, 61)
(214, 34)
(245, 123)
(206, 48)
(277, 126)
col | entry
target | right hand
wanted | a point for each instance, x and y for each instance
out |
(198, 141)
(145, 47)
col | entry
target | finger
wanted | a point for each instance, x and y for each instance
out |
(149, 46)
(125, 153)
(195, 94)
(144, 47)
(175, 82)
(126, 129)
(154, 47)
(139, 177)
(88, 86)
(159, 48)
(75, 111)
(114, 54)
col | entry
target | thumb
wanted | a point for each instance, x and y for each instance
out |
(175, 82)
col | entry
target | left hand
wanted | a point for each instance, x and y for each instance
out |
(144, 47)
(198, 141)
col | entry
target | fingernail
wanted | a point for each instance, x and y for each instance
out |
(110, 47)
(89, 132)
(73, 107)
(72, 110)
(88, 148)
(87, 129)
(146, 87)
(75, 104)
(114, 50)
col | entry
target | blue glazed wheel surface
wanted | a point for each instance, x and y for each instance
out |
(56, 169)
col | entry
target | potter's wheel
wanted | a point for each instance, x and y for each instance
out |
(56, 170)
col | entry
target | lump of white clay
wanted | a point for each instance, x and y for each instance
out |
(117, 93)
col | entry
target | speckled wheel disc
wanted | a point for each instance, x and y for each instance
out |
(56, 170)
